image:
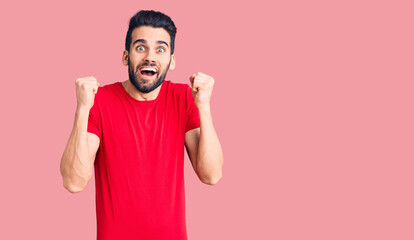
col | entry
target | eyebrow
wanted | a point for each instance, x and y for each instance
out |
(145, 41)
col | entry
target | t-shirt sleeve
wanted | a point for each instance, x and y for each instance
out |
(94, 120)
(193, 119)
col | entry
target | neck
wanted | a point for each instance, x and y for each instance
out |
(138, 95)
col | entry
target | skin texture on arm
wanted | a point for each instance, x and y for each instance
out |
(202, 144)
(77, 160)
(79, 155)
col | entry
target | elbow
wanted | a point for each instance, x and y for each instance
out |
(74, 189)
(74, 182)
(212, 180)
(211, 177)
(75, 186)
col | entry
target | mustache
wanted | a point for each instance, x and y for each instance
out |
(146, 64)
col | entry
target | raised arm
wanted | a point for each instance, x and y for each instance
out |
(202, 144)
(76, 165)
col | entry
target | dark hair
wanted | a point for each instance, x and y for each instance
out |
(153, 19)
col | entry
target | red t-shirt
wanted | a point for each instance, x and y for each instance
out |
(139, 166)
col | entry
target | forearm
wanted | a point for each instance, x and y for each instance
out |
(75, 165)
(210, 155)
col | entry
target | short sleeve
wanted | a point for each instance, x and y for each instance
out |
(94, 120)
(193, 119)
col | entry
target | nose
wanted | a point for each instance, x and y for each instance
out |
(150, 57)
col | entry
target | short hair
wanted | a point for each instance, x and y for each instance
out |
(153, 19)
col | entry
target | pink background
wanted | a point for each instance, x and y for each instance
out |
(313, 105)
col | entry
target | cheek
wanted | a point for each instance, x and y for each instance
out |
(166, 62)
(134, 57)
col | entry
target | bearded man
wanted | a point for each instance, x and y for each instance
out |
(132, 134)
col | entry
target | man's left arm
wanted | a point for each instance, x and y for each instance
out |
(202, 144)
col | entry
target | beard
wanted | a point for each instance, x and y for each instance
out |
(135, 79)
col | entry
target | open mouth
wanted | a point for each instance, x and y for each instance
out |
(148, 71)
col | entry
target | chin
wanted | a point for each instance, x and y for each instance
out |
(147, 88)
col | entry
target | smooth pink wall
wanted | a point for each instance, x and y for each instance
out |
(313, 104)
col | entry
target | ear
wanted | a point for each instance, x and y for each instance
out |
(125, 58)
(172, 63)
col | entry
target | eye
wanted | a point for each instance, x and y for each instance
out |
(160, 50)
(140, 48)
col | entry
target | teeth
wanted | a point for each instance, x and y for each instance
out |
(148, 69)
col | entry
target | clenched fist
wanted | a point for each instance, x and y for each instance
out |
(202, 85)
(86, 88)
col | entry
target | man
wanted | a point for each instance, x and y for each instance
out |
(133, 133)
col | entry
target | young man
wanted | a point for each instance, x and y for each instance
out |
(133, 133)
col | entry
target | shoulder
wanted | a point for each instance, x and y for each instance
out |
(109, 87)
(178, 89)
(177, 86)
(107, 90)
(182, 93)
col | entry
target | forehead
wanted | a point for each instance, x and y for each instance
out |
(150, 34)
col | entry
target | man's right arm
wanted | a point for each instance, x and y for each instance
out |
(76, 165)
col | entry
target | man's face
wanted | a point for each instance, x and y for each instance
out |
(149, 58)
